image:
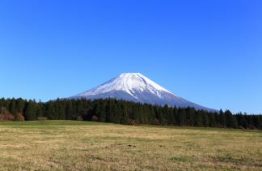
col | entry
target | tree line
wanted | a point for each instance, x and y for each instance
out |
(123, 112)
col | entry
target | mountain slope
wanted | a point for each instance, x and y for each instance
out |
(137, 88)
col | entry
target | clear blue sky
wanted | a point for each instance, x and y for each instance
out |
(207, 51)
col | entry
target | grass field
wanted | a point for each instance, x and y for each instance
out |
(72, 145)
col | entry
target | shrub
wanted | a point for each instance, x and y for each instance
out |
(19, 117)
(7, 117)
(95, 118)
(41, 118)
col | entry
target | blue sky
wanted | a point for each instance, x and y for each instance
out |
(209, 52)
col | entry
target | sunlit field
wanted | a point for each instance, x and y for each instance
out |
(73, 145)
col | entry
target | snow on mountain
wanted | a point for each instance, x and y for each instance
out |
(137, 88)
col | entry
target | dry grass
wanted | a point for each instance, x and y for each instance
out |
(69, 145)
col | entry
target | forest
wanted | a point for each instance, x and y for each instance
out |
(123, 112)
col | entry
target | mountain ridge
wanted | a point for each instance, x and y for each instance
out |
(137, 88)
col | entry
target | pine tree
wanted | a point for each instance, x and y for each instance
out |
(181, 117)
(30, 111)
(12, 107)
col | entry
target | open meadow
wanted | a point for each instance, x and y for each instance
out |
(75, 145)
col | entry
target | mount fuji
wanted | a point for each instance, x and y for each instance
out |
(135, 87)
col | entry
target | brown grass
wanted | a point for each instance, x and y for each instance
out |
(68, 145)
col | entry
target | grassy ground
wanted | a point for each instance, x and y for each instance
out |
(69, 145)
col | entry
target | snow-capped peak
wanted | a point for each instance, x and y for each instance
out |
(137, 88)
(129, 83)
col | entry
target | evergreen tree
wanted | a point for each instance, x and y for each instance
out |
(12, 106)
(124, 112)
(181, 117)
(30, 111)
(231, 121)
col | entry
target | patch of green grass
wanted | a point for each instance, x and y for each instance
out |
(181, 159)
